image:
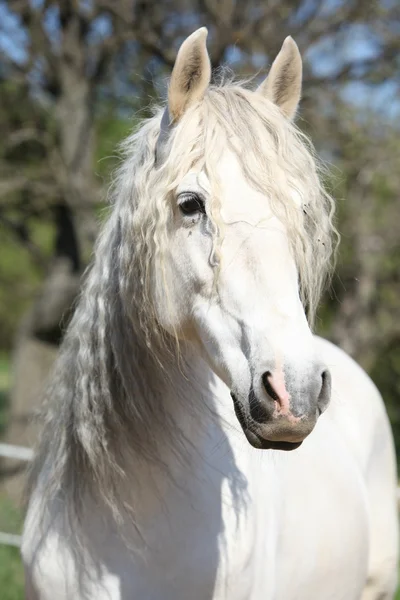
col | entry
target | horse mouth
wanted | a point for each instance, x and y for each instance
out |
(258, 442)
(254, 438)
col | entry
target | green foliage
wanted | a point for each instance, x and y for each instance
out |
(11, 571)
(111, 130)
(19, 277)
(11, 574)
(386, 374)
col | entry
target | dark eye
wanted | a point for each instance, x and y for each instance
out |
(191, 203)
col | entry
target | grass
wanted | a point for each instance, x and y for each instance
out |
(11, 572)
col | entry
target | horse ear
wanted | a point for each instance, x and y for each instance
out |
(190, 76)
(283, 84)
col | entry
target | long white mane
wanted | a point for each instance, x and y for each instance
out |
(104, 404)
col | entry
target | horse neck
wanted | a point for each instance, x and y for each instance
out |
(184, 483)
(197, 399)
(205, 423)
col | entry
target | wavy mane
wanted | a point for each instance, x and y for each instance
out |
(104, 402)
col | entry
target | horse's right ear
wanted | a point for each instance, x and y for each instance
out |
(190, 76)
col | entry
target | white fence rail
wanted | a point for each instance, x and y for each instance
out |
(10, 539)
(26, 454)
(18, 453)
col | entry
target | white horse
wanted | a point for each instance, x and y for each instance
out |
(190, 368)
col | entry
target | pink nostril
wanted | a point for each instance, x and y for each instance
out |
(274, 385)
(268, 386)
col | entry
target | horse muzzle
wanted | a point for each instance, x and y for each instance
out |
(280, 416)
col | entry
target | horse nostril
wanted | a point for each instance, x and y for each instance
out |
(325, 393)
(261, 409)
(268, 386)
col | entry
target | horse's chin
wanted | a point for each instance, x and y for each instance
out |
(256, 440)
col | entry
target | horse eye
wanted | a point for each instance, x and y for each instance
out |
(191, 203)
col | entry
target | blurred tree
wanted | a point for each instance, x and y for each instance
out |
(366, 317)
(362, 312)
(77, 63)
(57, 55)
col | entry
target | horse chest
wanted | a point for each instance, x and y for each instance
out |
(304, 532)
(269, 527)
(254, 526)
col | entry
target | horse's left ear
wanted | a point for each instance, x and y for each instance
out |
(283, 84)
(190, 76)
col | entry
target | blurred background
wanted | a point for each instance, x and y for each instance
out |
(77, 75)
